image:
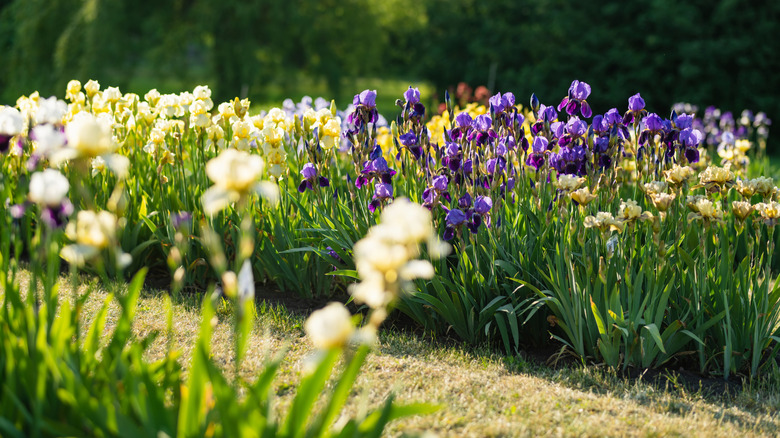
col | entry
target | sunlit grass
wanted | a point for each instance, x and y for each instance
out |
(482, 393)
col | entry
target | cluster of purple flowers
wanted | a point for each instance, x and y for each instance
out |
(473, 166)
(721, 129)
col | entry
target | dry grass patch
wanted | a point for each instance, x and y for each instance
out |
(481, 393)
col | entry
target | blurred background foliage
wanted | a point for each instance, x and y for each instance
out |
(707, 52)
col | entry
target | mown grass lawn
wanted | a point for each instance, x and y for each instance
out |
(481, 393)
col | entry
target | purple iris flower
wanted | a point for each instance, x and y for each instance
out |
(309, 171)
(334, 255)
(409, 140)
(576, 100)
(501, 103)
(636, 103)
(537, 156)
(455, 217)
(440, 183)
(57, 216)
(375, 168)
(412, 95)
(684, 121)
(464, 201)
(653, 123)
(601, 145)
(482, 129)
(535, 160)
(508, 99)
(505, 144)
(483, 122)
(690, 137)
(576, 127)
(366, 98)
(365, 112)
(547, 113)
(181, 220)
(692, 155)
(451, 149)
(483, 204)
(468, 166)
(5, 141)
(463, 119)
(569, 160)
(557, 129)
(382, 192)
(540, 144)
(613, 117)
(439, 188)
(579, 90)
(495, 103)
(491, 165)
(599, 124)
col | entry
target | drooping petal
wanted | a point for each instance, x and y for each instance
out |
(585, 110)
(216, 199)
(267, 190)
(78, 254)
(246, 283)
(416, 269)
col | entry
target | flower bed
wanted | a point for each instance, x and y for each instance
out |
(633, 239)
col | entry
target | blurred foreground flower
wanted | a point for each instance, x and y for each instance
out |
(92, 232)
(88, 136)
(330, 327)
(235, 174)
(386, 258)
(11, 124)
(49, 189)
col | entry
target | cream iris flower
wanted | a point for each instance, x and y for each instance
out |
(48, 188)
(330, 327)
(769, 211)
(604, 221)
(569, 183)
(582, 196)
(235, 174)
(630, 211)
(91, 233)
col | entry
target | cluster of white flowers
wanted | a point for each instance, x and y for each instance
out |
(386, 261)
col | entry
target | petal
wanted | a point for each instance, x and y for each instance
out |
(585, 110)
(118, 164)
(563, 103)
(78, 254)
(216, 199)
(267, 190)
(246, 283)
(416, 269)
